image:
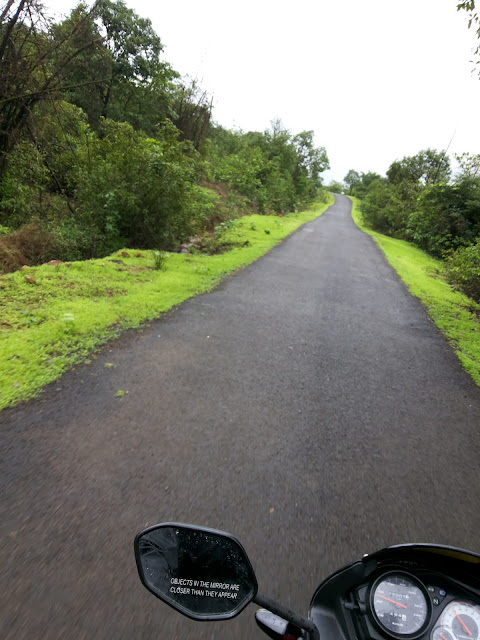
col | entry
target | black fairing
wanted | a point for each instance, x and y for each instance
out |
(341, 606)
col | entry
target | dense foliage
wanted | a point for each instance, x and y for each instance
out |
(463, 269)
(274, 170)
(103, 145)
(419, 201)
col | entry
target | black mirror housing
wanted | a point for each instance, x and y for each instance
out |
(203, 573)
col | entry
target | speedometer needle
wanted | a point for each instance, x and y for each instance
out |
(397, 603)
(462, 623)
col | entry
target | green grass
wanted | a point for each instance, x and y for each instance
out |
(456, 315)
(61, 319)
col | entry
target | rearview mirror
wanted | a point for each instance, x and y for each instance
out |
(203, 573)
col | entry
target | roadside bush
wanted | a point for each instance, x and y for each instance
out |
(72, 240)
(137, 191)
(241, 172)
(37, 181)
(322, 194)
(383, 209)
(23, 186)
(98, 192)
(280, 188)
(360, 187)
(275, 171)
(335, 187)
(446, 216)
(207, 207)
(463, 270)
(59, 130)
(30, 245)
(220, 204)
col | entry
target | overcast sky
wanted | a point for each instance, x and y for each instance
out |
(375, 80)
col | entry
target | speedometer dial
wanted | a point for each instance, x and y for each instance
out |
(462, 620)
(399, 604)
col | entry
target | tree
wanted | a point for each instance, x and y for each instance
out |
(125, 80)
(335, 187)
(313, 160)
(366, 179)
(423, 169)
(192, 113)
(469, 164)
(473, 18)
(36, 184)
(446, 216)
(32, 65)
(384, 210)
(463, 270)
(274, 170)
(86, 72)
(135, 190)
(133, 45)
(351, 179)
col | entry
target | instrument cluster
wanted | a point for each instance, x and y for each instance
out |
(425, 606)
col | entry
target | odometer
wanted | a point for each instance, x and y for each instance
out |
(399, 604)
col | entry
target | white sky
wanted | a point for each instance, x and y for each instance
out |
(376, 80)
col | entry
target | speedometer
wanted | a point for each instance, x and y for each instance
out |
(461, 620)
(399, 604)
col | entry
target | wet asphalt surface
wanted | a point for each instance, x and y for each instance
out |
(307, 405)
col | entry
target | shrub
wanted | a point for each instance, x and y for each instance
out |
(446, 216)
(137, 191)
(335, 187)
(274, 170)
(72, 240)
(98, 192)
(36, 183)
(29, 245)
(463, 270)
(22, 186)
(383, 209)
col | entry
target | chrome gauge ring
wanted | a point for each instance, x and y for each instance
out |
(400, 604)
(459, 621)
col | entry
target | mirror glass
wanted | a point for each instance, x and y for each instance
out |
(202, 573)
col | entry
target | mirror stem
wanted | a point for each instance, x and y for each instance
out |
(287, 614)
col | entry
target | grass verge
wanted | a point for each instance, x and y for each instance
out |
(456, 315)
(55, 316)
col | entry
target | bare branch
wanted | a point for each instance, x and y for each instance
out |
(11, 25)
(6, 10)
(26, 96)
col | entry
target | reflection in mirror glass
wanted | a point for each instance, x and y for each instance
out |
(202, 573)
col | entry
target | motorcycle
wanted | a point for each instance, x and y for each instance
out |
(404, 592)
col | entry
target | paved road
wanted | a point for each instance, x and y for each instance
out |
(307, 405)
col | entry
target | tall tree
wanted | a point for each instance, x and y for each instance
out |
(351, 179)
(362, 186)
(311, 162)
(425, 168)
(32, 66)
(125, 80)
(192, 112)
(86, 73)
(134, 49)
